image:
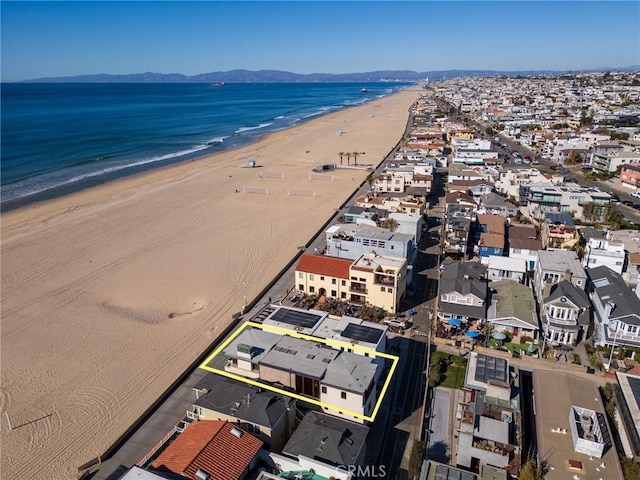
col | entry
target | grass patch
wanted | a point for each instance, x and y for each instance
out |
(454, 376)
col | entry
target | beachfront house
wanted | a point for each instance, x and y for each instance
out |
(352, 241)
(267, 415)
(344, 330)
(342, 382)
(616, 307)
(323, 275)
(463, 293)
(329, 446)
(201, 452)
(371, 279)
(565, 313)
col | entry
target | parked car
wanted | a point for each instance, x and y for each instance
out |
(394, 322)
(635, 194)
(628, 203)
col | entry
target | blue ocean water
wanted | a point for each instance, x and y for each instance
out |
(58, 138)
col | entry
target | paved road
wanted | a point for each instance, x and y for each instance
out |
(439, 425)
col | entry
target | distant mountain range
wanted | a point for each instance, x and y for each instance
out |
(278, 76)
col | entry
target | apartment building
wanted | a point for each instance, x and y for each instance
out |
(586, 203)
(630, 177)
(371, 279)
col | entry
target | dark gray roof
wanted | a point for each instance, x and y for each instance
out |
(464, 278)
(496, 201)
(229, 397)
(460, 310)
(568, 290)
(609, 286)
(589, 232)
(327, 438)
(460, 269)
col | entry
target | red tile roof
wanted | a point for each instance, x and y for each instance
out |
(210, 446)
(323, 265)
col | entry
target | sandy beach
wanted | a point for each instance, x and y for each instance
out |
(110, 293)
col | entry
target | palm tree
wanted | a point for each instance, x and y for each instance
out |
(341, 154)
(355, 157)
(348, 154)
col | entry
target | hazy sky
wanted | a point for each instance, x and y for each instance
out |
(41, 39)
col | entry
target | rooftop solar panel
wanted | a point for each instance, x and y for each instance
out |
(362, 333)
(490, 368)
(295, 317)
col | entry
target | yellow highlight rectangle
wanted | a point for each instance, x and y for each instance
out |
(333, 343)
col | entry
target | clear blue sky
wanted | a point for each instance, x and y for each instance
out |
(41, 39)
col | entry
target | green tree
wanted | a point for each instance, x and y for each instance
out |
(630, 469)
(416, 458)
(589, 212)
(370, 180)
(530, 471)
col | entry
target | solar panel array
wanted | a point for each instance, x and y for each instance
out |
(444, 472)
(491, 368)
(295, 317)
(362, 333)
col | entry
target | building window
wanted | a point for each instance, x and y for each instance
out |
(301, 287)
(311, 276)
(389, 290)
(343, 295)
(334, 281)
(322, 278)
(334, 293)
(343, 283)
(343, 395)
(445, 298)
(632, 329)
(312, 289)
(324, 389)
(382, 289)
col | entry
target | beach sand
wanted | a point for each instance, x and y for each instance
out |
(110, 293)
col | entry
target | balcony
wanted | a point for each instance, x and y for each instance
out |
(358, 288)
(384, 280)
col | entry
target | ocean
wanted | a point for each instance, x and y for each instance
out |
(60, 138)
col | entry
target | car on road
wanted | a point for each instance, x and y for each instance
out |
(395, 322)
(628, 203)
(635, 194)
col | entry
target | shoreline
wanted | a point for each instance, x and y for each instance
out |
(94, 179)
(92, 281)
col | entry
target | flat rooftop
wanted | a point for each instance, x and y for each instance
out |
(556, 394)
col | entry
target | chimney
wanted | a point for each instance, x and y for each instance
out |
(608, 308)
(546, 291)
(567, 275)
